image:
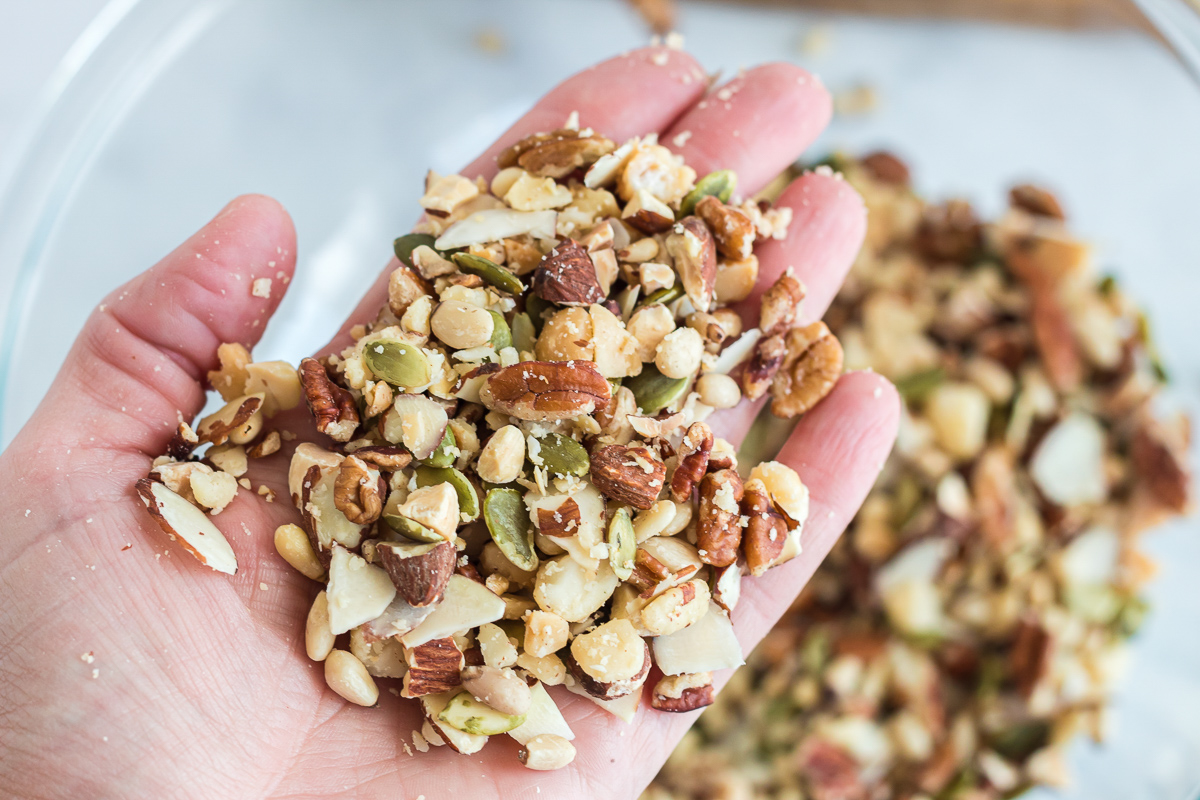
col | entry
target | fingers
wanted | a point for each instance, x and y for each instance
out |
(634, 93)
(756, 124)
(144, 351)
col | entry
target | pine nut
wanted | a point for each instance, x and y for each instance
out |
(318, 636)
(347, 676)
(293, 545)
(546, 752)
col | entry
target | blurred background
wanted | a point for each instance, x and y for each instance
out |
(124, 125)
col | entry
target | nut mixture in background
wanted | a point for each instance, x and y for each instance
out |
(517, 487)
(973, 620)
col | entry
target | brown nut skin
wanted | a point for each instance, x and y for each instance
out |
(732, 228)
(696, 266)
(718, 532)
(607, 691)
(692, 461)
(809, 371)
(420, 579)
(405, 286)
(567, 276)
(218, 431)
(886, 167)
(780, 305)
(356, 491)
(648, 573)
(618, 473)
(543, 391)
(1036, 201)
(689, 699)
(332, 406)
(949, 232)
(388, 458)
(560, 522)
(183, 442)
(763, 366)
(555, 154)
(1161, 467)
(433, 667)
(765, 533)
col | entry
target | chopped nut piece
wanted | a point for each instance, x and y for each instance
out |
(543, 391)
(356, 491)
(332, 407)
(567, 276)
(682, 693)
(692, 463)
(732, 229)
(433, 667)
(719, 532)
(809, 371)
(631, 475)
(692, 247)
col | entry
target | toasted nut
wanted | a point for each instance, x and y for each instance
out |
(811, 368)
(420, 572)
(500, 689)
(639, 252)
(692, 247)
(435, 507)
(433, 667)
(405, 287)
(735, 280)
(230, 379)
(213, 490)
(332, 406)
(959, 415)
(546, 751)
(610, 653)
(239, 421)
(780, 305)
(676, 608)
(718, 391)
(692, 461)
(266, 446)
(532, 193)
(949, 232)
(649, 325)
(444, 193)
(1162, 467)
(719, 532)
(502, 457)
(543, 391)
(652, 276)
(654, 520)
(318, 638)
(764, 365)
(630, 475)
(567, 276)
(183, 442)
(732, 229)
(766, 532)
(785, 488)
(678, 354)
(647, 213)
(657, 170)
(497, 649)
(561, 521)
(356, 491)
(461, 325)
(680, 693)
(278, 381)
(727, 586)
(567, 336)
(545, 633)
(1036, 201)
(292, 544)
(555, 154)
(347, 676)
(548, 669)
(385, 457)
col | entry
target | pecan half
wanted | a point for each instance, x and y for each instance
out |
(332, 406)
(386, 457)
(885, 167)
(680, 693)
(1036, 201)
(433, 667)
(356, 491)
(780, 305)
(766, 531)
(542, 391)
(764, 364)
(419, 572)
(560, 522)
(694, 250)
(732, 228)
(719, 531)
(567, 276)
(611, 690)
(809, 371)
(555, 154)
(692, 462)
(183, 442)
(630, 475)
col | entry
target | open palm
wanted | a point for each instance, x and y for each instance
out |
(128, 670)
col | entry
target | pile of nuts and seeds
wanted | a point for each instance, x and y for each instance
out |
(974, 619)
(517, 487)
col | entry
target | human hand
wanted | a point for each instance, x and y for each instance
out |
(200, 687)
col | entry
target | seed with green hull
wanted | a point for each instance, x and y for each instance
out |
(536, 308)
(469, 715)
(468, 499)
(562, 455)
(665, 295)
(410, 529)
(523, 333)
(398, 363)
(490, 271)
(654, 391)
(511, 529)
(446, 452)
(719, 184)
(622, 544)
(502, 336)
(404, 246)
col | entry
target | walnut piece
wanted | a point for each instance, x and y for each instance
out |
(332, 406)
(356, 491)
(555, 154)
(809, 371)
(763, 366)
(780, 305)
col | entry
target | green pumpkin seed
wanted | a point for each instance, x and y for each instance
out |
(916, 387)
(511, 529)
(468, 715)
(398, 363)
(405, 245)
(523, 333)
(468, 498)
(655, 391)
(501, 334)
(412, 530)
(562, 455)
(536, 307)
(719, 184)
(665, 295)
(622, 544)
(490, 271)
(446, 452)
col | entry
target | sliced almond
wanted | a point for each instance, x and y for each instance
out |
(358, 592)
(188, 525)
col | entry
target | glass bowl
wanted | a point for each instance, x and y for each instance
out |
(170, 107)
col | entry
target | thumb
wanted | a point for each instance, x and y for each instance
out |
(143, 354)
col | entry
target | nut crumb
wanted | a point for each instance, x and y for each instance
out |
(261, 287)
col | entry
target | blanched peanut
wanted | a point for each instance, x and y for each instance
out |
(292, 544)
(545, 633)
(649, 325)
(678, 354)
(347, 676)
(497, 649)
(676, 608)
(718, 391)
(736, 279)
(503, 456)
(550, 669)
(546, 752)
(611, 652)
(461, 325)
(318, 636)
(499, 688)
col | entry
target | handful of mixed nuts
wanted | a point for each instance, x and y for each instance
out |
(520, 489)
